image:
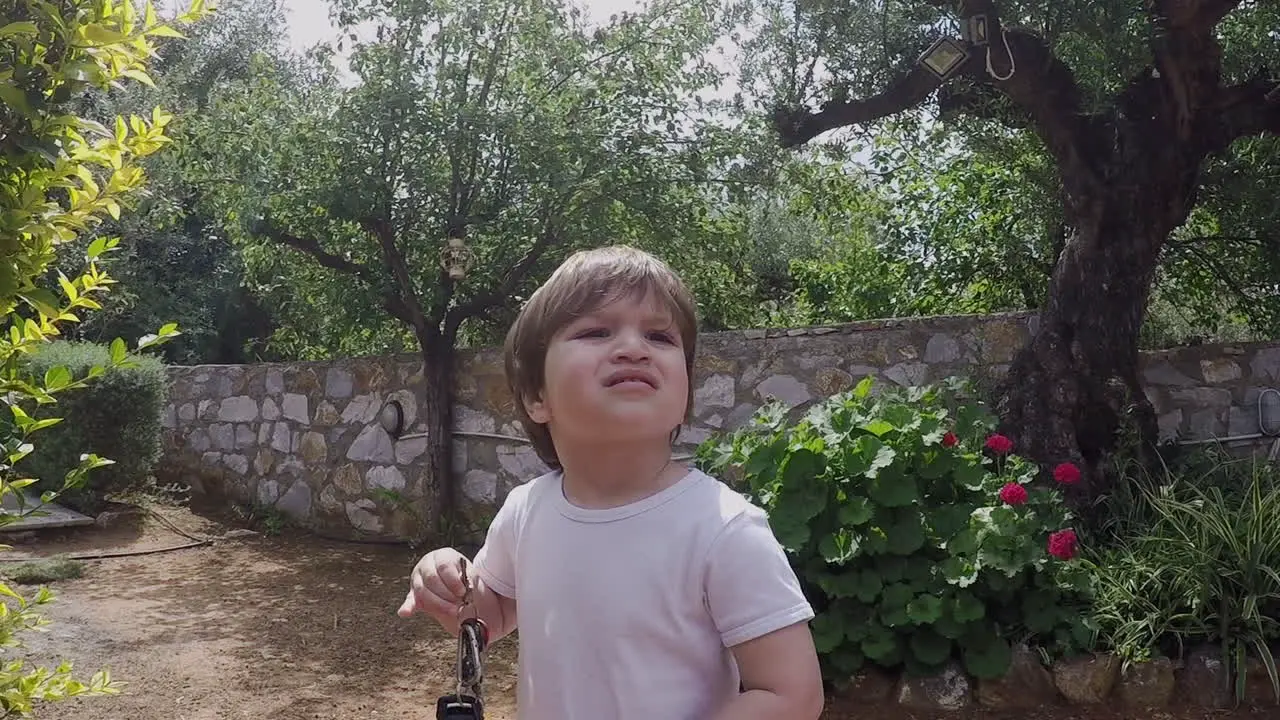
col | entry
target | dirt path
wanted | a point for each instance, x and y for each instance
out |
(282, 628)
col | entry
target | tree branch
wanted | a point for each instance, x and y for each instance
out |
(391, 301)
(399, 269)
(1188, 57)
(1016, 62)
(1250, 108)
(797, 126)
(1195, 13)
(497, 296)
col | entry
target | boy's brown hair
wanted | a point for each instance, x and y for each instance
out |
(585, 282)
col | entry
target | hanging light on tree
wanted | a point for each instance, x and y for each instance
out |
(456, 258)
(943, 57)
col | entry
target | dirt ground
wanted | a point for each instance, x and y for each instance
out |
(287, 627)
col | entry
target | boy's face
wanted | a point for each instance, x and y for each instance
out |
(615, 374)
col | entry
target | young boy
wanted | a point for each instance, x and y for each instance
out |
(645, 590)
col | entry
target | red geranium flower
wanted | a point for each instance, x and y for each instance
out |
(1062, 544)
(999, 444)
(1013, 494)
(949, 439)
(1067, 474)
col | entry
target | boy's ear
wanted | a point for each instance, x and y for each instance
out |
(536, 409)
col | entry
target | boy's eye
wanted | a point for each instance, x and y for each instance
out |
(591, 332)
(661, 337)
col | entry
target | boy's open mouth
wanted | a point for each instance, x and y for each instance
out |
(631, 376)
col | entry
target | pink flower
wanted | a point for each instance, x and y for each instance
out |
(999, 444)
(949, 439)
(1013, 494)
(1062, 544)
(1067, 474)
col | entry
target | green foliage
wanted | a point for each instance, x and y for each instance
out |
(901, 535)
(1193, 554)
(118, 416)
(56, 184)
(39, 572)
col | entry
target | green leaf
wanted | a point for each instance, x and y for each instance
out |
(929, 647)
(877, 427)
(855, 511)
(22, 27)
(118, 351)
(893, 490)
(828, 632)
(967, 608)
(987, 660)
(924, 609)
(906, 535)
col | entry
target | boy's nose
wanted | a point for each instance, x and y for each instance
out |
(630, 347)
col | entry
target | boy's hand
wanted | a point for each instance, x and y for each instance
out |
(435, 586)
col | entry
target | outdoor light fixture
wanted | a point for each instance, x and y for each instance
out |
(1269, 412)
(943, 57)
(456, 258)
(974, 30)
(391, 418)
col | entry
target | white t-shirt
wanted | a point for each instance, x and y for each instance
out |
(626, 613)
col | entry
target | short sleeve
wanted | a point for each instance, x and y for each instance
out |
(495, 563)
(750, 587)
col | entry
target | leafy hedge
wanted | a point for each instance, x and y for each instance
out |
(917, 533)
(118, 417)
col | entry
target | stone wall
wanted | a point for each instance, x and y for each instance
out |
(305, 438)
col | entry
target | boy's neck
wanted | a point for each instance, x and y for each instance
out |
(604, 477)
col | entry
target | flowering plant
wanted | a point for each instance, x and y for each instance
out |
(917, 531)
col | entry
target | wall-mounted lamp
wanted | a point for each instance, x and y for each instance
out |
(975, 30)
(391, 418)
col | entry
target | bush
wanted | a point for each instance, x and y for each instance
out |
(117, 416)
(1194, 558)
(914, 547)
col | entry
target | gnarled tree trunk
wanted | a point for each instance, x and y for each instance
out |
(437, 420)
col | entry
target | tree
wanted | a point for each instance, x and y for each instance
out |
(1178, 83)
(503, 131)
(56, 183)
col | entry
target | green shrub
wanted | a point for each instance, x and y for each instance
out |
(117, 416)
(1203, 565)
(914, 547)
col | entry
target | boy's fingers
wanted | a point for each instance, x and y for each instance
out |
(407, 607)
(451, 579)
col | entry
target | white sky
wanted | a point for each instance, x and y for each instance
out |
(309, 19)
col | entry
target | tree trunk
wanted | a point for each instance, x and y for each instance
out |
(437, 418)
(1076, 387)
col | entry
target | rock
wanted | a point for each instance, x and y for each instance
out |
(783, 388)
(716, 391)
(908, 374)
(1087, 680)
(1220, 371)
(480, 486)
(237, 464)
(409, 450)
(1202, 397)
(312, 448)
(692, 435)
(1169, 424)
(521, 462)
(270, 411)
(238, 409)
(1027, 684)
(282, 438)
(361, 515)
(295, 408)
(170, 417)
(326, 414)
(1147, 684)
(245, 437)
(199, 440)
(947, 690)
(387, 477)
(468, 420)
(362, 409)
(869, 686)
(1165, 374)
(268, 492)
(941, 349)
(275, 381)
(373, 444)
(1266, 364)
(830, 381)
(264, 461)
(337, 384)
(223, 436)
(347, 479)
(329, 501)
(296, 503)
(187, 412)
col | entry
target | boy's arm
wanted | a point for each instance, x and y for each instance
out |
(496, 610)
(781, 676)
(756, 602)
